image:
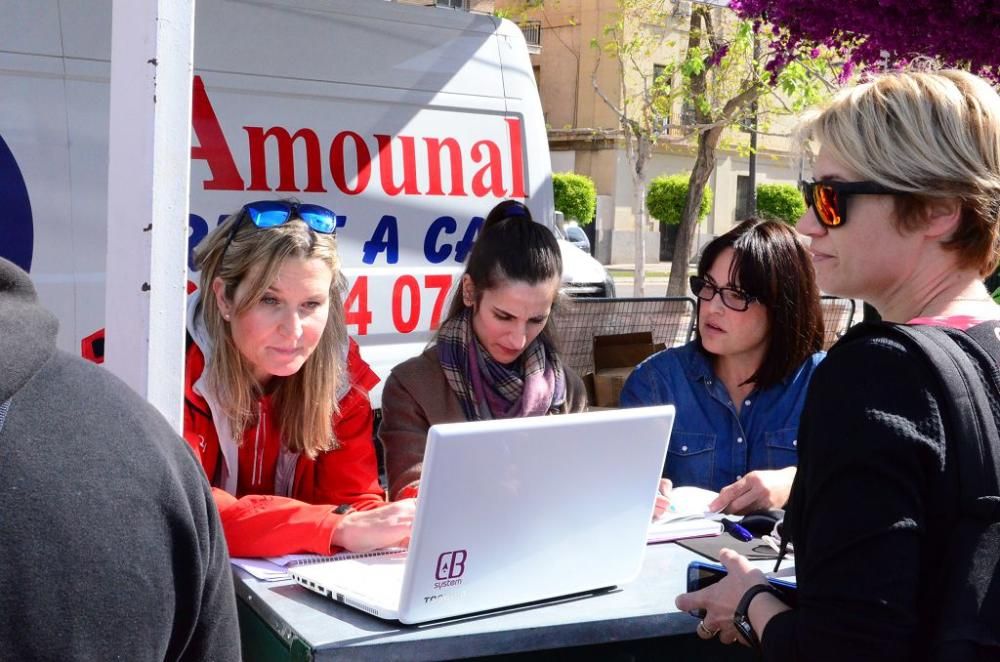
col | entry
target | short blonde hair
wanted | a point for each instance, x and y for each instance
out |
(306, 401)
(929, 135)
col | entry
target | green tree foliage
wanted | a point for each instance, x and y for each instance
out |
(575, 196)
(666, 197)
(780, 201)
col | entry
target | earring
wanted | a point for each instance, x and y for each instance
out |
(226, 317)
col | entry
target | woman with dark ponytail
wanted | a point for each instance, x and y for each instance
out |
(494, 355)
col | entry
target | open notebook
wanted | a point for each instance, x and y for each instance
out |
(275, 568)
(514, 511)
(688, 517)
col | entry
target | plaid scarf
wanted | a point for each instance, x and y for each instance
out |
(531, 386)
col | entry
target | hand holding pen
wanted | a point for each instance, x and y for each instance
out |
(662, 497)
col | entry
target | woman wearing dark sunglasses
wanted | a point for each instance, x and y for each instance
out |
(740, 385)
(494, 355)
(904, 212)
(276, 401)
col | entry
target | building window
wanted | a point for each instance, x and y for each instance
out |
(688, 114)
(742, 197)
(453, 4)
(532, 31)
(664, 118)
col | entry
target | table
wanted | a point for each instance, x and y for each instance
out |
(281, 620)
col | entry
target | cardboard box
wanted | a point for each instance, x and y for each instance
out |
(614, 359)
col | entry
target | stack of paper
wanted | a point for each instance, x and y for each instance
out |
(687, 517)
(275, 568)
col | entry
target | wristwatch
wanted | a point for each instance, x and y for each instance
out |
(342, 509)
(740, 617)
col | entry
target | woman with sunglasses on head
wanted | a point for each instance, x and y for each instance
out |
(494, 355)
(276, 399)
(740, 385)
(904, 212)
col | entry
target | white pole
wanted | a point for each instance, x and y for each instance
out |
(149, 161)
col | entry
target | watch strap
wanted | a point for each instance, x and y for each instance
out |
(741, 617)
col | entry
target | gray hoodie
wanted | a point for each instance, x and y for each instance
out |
(110, 543)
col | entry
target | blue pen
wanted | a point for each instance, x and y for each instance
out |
(735, 530)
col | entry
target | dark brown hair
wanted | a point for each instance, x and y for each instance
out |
(510, 247)
(771, 264)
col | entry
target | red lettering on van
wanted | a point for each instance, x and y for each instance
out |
(362, 159)
(434, 147)
(212, 146)
(256, 137)
(385, 169)
(352, 172)
(516, 158)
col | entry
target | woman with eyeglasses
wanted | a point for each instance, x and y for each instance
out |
(276, 399)
(904, 212)
(494, 355)
(740, 385)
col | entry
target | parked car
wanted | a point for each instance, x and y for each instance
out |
(576, 236)
(583, 276)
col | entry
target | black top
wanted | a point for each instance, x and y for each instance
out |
(870, 506)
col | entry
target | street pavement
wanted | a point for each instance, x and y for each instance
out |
(657, 274)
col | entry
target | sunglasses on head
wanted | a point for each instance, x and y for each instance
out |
(732, 298)
(829, 198)
(272, 213)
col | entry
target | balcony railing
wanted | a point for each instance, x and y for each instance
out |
(532, 33)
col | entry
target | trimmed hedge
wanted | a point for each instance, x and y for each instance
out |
(575, 196)
(666, 195)
(780, 201)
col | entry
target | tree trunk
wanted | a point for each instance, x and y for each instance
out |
(639, 205)
(639, 157)
(704, 165)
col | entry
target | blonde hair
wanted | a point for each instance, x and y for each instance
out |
(305, 402)
(929, 135)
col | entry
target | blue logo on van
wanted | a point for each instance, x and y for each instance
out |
(16, 230)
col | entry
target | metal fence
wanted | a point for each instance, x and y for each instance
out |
(838, 316)
(669, 319)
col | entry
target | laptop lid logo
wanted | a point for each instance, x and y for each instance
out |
(451, 565)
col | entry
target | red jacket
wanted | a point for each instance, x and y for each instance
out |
(258, 523)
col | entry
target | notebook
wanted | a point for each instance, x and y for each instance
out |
(515, 511)
(276, 568)
(688, 516)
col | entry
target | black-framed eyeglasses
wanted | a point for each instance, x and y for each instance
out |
(732, 298)
(272, 213)
(829, 198)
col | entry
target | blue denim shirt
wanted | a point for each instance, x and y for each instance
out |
(711, 445)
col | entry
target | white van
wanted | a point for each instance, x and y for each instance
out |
(411, 123)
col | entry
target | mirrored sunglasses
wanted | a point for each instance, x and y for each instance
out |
(829, 198)
(271, 213)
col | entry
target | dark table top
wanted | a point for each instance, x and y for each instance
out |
(643, 608)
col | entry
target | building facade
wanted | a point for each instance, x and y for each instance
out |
(585, 135)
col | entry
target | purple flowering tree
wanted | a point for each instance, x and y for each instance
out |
(889, 32)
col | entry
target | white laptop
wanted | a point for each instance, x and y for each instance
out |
(514, 511)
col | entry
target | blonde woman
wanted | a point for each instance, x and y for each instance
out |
(276, 404)
(904, 212)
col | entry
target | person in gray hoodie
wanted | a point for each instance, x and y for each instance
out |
(110, 544)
